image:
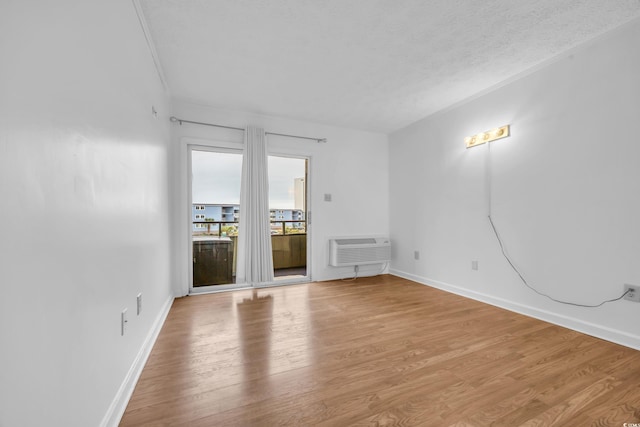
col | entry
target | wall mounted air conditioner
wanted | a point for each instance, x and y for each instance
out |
(359, 251)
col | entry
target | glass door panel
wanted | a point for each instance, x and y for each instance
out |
(288, 214)
(215, 215)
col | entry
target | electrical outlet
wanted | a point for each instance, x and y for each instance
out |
(474, 265)
(633, 294)
(416, 255)
(139, 303)
(123, 321)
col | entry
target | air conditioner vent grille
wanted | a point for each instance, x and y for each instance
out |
(359, 251)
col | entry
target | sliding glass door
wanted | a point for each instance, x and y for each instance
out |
(216, 214)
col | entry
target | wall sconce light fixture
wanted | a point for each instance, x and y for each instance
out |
(488, 136)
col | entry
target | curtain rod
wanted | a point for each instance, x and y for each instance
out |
(175, 119)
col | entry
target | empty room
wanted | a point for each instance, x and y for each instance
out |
(319, 213)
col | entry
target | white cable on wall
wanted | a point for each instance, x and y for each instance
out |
(488, 192)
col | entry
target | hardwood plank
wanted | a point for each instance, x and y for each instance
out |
(565, 412)
(375, 351)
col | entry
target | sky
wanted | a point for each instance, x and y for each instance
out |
(216, 178)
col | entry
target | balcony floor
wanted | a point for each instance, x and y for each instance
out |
(282, 273)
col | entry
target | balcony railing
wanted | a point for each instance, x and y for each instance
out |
(230, 228)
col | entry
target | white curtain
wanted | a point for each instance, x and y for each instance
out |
(255, 262)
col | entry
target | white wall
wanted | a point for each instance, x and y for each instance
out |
(352, 166)
(565, 191)
(84, 222)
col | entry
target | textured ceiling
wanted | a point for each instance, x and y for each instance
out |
(368, 64)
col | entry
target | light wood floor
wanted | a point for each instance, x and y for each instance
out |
(376, 351)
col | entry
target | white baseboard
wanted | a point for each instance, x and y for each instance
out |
(121, 400)
(592, 329)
